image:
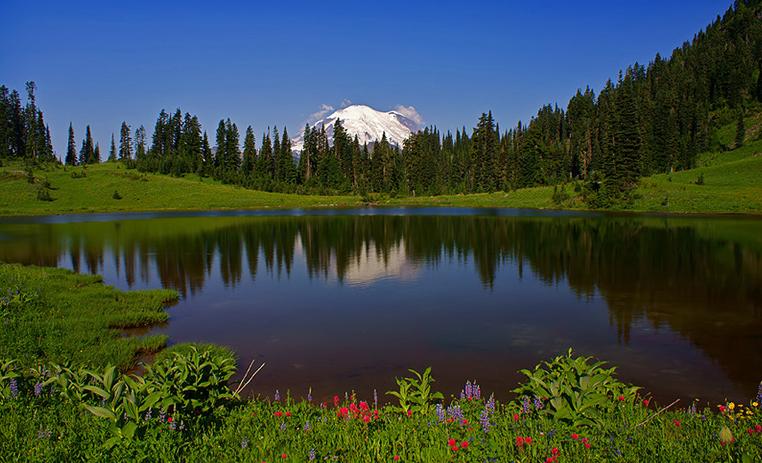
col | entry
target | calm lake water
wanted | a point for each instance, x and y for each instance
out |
(345, 300)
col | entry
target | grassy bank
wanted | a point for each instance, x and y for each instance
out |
(569, 409)
(57, 315)
(732, 183)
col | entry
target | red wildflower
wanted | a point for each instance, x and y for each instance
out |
(396, 458)
(554, 451)
(410, 413)
(336, 401)
(366, 418)
(621, 398)
(519, 441)
(451, 442)
(364, 406)
(722, 408)
(676, 423)
(288, 413)
(464, 444)
(454, 448)
(528, 440)
(575, 436)
(278, 414)
(646, 402)
(464, 422)
(353, 408)
(587, 446)
(283, 456)
(515, 417)
(758, 428)
(750, 431)
(169, 420)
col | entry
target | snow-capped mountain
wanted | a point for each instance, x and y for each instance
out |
(367, 123)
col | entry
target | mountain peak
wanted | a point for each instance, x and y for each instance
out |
(366, 123)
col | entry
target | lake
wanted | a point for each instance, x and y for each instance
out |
(342, 300)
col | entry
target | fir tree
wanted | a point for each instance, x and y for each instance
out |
(740, 129)
(125, 143)
(249, 152)
(71, 148)
(112, 150)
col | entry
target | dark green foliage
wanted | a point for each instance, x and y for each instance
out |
(112, 150)
(125, 143)
(740, 129)
(116, 195)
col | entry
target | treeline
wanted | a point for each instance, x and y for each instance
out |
(653, 119)
(23, 132)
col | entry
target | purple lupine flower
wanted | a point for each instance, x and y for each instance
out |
(440, 413)
(455, 412)
(307, 426)
(309, 395)
(245, 443)
(692, 408)
(38, 389)
(469, 390)
(759, 392)
(162, 416)
(484, 420)
(525, 405)
(149, 413)
(283, 426)
(477, 392)
(14, 387)
(538, 403)
(182, 426)
(311, 455)
(277, 396)
(375, 398)
(490, 406)
(172, 425)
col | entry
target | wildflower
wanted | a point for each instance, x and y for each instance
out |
(537, 403)
(528, 440)
(464, 422)
(396, 458)
(366, 418)
(336, 401)
(311, 455)
(440, 412)
(244, 443)
(731, 406)
(621, 398)
(464, 444)
(288, 414)
(484, 420)
(278, 414)
(309, 395)
(646, 402)
(306, 426)
(455, 412)
(515, 417)
(14, 387)
(410, 413)
(469, 391)
(759, 394)
(519, 441)
(575, 436)
(758, 428)
(722, 408)
(525, 405)
(277, 396)
(451, 442)
(283, 426)
(755, 404)
(375, 398)
(677, 423)
(491, 404)
(283, 456)
(38, 389)
(169, 420)
(364, 406)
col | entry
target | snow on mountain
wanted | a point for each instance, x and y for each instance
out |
(367, 123)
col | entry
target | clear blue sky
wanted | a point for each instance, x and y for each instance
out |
(276, 62)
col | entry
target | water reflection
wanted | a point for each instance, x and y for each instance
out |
(676, 302)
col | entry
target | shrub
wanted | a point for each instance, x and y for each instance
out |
(700, 179)
(414, 394)
(573, 390)
(116, 195)
(43, 194)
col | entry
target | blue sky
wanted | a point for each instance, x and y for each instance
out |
(276, 62)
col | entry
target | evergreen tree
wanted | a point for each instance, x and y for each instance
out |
(249, 152)
(140, 143)
(96, 154)
(71, 148)
(125, 143)
(112, 150)
(87, 152)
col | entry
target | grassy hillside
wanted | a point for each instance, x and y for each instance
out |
(94, 192)
(732, 183)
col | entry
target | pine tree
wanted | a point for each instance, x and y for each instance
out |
(207, 157)
(627, 137)
(125, 143)
(140, 143)
(249, 152)
(71, 148)
(96, 154)
(87, 152)
(112, 150)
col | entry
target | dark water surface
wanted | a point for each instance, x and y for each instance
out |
(347, 299)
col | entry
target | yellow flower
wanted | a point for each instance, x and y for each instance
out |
(731, 405)
(756, 404)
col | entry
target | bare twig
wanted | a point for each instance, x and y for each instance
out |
(243, 385)
(657, 414)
